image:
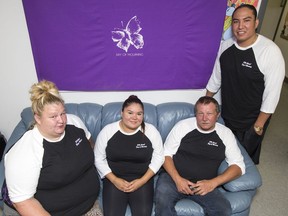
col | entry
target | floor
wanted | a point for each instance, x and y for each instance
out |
(272, 197)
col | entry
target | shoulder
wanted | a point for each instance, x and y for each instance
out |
(110, 128)
(223, 131)
(265, 40)
(29, 139)
(149, 126)
(185, 122)
(151, 130)
(31, 143)
(226, 44)
(184, 126)
(73, 119)
(222, 127)
(264, 44)
(111, 125)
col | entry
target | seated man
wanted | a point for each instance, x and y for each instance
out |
(194, 150)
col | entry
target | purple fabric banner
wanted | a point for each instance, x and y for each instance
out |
(93, 45)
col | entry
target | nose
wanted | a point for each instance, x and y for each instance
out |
(240, 25)
(134, 116)
(205, 117)
(60, 118)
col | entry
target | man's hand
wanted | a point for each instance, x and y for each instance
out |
(184, 186)
(204, 187)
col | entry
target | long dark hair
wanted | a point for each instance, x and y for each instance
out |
(134, 99)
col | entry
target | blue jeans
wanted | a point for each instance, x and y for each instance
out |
(167, 195)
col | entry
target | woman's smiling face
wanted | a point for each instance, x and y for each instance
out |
(132, 117)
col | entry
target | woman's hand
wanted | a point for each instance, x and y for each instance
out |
(121, 184)
(135, 184)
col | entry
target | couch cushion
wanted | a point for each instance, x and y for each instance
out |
(239, 201)
(27, 117)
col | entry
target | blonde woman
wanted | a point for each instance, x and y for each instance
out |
(50, 170)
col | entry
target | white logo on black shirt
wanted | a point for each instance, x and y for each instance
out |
(78, 141)
(212, 143)
(141, 145)
(246, 64)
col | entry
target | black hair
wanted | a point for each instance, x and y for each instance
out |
(249, 6)
(134, 99)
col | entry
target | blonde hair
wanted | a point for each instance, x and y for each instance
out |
(43, 93)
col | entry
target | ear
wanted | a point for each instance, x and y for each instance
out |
(256, 23)
(37, 118)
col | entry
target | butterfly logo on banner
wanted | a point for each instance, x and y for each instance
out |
(125, 37)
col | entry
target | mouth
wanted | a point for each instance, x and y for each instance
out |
(61, 126)
(241, 33)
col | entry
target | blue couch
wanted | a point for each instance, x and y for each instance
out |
(239, 192)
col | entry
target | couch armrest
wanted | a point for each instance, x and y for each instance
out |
(251, 180)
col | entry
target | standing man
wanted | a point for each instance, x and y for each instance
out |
(250, 70)
(194, 150)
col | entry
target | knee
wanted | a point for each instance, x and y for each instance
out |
(160, 195)
(225, 209)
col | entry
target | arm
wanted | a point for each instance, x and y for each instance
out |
(91, 142)
(205, 186)
(100, 150)
(22, 169)
(209, 93)
(260, 122)
(30, 207)
(157, 159)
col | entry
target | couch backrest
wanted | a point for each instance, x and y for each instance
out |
(171, 113)
(95, 116)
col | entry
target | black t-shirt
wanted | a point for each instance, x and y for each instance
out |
(129, 156)
(242, 88)
(68, 182)
(199, 155)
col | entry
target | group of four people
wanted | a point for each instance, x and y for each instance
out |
(53, 169)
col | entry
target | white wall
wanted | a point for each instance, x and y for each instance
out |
(282, 43)
(17, 73)
(270, 23)
(271, 18)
